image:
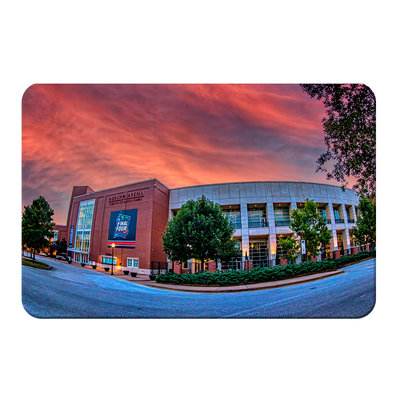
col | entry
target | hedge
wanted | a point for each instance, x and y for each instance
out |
(259, 274)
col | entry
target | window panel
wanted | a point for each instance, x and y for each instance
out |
(132, 262)
(84, 226)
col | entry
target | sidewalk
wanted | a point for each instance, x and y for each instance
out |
(243, 288)
(139, 279)
(145, 281)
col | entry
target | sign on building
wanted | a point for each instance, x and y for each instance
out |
(122, 230)
(303, 246)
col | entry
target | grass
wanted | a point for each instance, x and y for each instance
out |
(37, 264)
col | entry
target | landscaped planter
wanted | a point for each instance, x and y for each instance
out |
(262, 274)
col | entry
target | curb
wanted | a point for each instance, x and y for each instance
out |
(245, 288)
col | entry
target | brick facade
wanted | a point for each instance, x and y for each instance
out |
(62, 232)
(152, 216)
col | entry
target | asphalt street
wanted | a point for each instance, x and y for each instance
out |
(68, 291)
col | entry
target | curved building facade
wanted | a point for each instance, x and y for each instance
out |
(122, 226)
(260, 212)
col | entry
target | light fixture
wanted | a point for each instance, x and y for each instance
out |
(112, 259)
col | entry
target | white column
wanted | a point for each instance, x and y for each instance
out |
(272, 231)
(353, 213)
(331, 216)
(346, 239)
(245, 230)
(343, 213)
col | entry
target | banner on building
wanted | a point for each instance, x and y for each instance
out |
(303, 246)
(122, 230)
(71, 236)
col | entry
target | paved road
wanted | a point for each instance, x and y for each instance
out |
(68, 291)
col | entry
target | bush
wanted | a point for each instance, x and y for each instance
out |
(259, 274)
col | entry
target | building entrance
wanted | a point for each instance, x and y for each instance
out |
(259, 253)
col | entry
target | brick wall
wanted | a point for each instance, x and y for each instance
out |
(152, 218)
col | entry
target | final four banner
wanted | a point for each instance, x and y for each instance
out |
(122, 231)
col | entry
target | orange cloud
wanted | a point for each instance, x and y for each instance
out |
(109, 135)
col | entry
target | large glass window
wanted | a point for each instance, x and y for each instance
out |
(349, 219)
(233, 213)
(89, 216)
(322, 214)
(282, 216)
(78, 240)
(83, 229)
(85, 241)
(257, 217)
(338, 220)
(259, 252)
(81, 215)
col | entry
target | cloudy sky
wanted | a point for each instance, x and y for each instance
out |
(110, 135)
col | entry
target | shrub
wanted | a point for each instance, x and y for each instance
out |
(259, 274)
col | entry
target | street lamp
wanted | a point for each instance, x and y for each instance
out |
(112, 258)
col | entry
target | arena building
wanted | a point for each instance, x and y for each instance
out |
(260, 212)
(122, 226)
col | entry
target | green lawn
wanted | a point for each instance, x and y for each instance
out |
(37, 264)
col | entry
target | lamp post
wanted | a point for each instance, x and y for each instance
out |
(112, 259)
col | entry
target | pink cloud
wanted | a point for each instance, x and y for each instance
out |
(109, 135)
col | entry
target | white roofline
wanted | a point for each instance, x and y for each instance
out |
(240, 183)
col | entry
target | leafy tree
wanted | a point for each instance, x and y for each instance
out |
(365, 229)
(201, 231)
(62, 246)
(307, 223)
(37, 225)
(349, 128)
(290, 247)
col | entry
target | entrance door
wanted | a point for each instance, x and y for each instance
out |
(259, 252)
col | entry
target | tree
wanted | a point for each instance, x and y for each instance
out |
(310, 226)
(290, 248)
(62, 246)
(37, 225)
(201, 231)
(349, 128)
(365, 229)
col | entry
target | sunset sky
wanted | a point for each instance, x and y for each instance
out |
(110, 135)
